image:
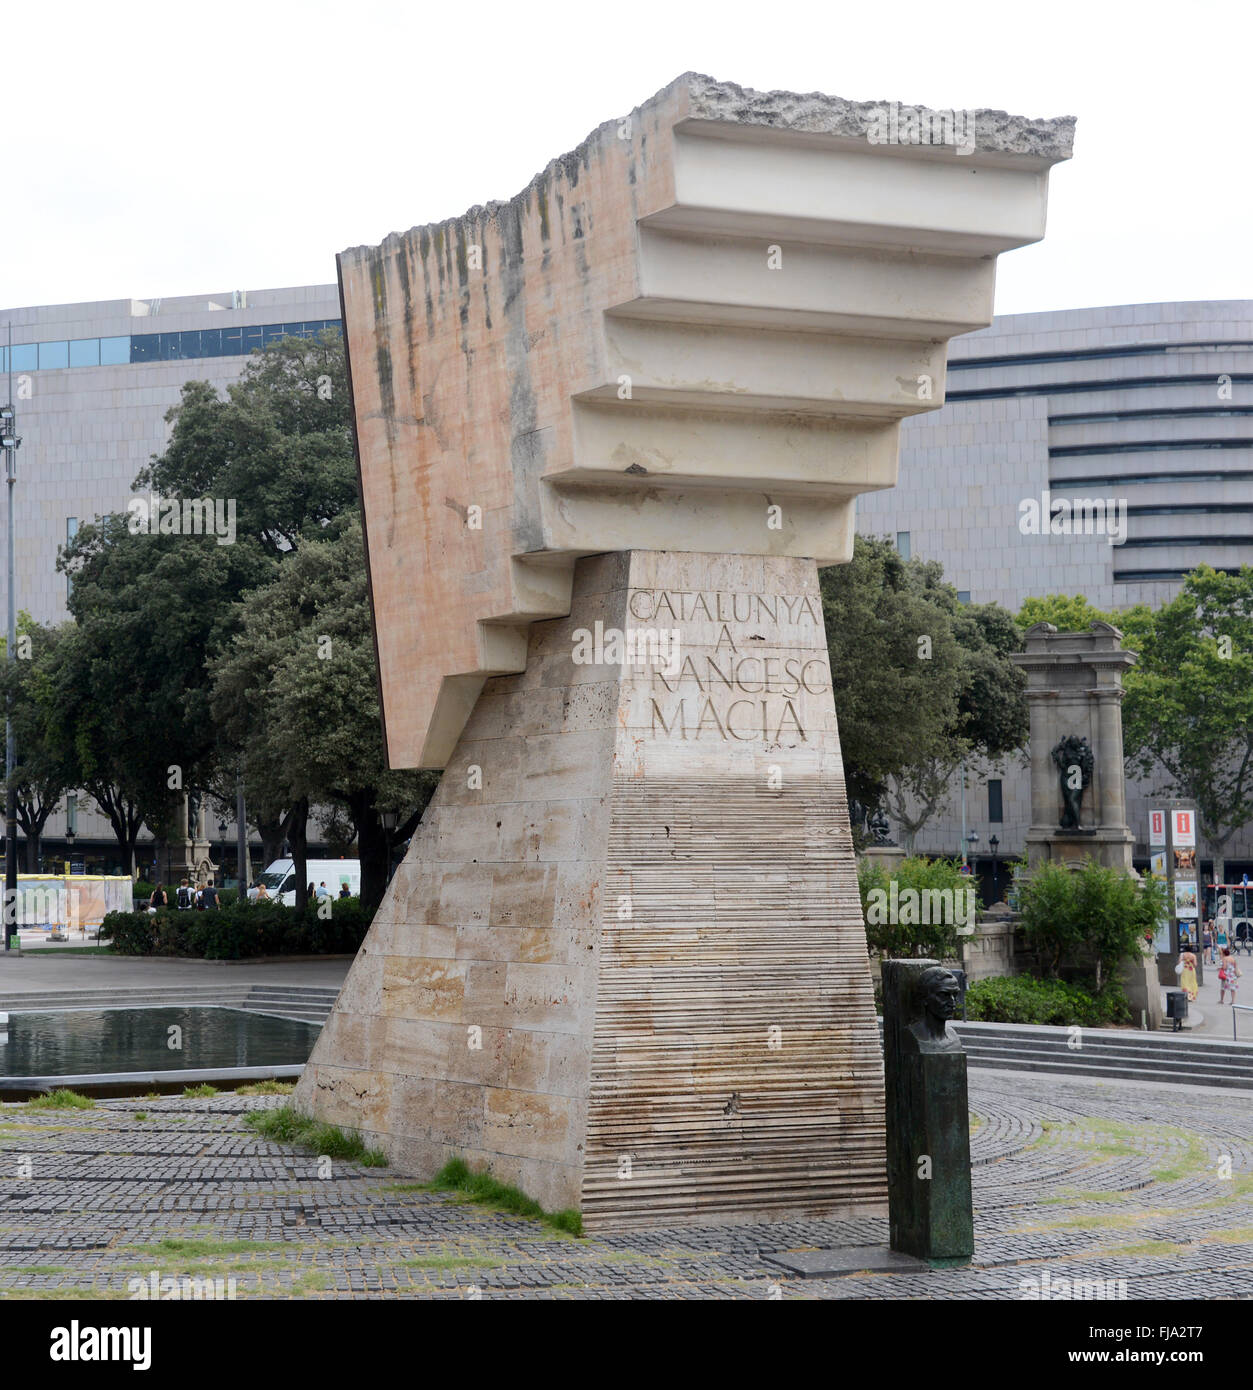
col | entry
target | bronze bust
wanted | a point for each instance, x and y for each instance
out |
(936, 998)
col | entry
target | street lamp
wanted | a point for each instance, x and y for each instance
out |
(10, 443)
(222, 829)
(971, 841)
(995, 842)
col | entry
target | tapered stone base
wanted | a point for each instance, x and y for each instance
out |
(623, 963)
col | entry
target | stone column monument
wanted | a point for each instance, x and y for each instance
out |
(1078, 787)
(606, 432)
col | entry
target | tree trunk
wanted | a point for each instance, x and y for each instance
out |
(271, 832)
(372, 847)
(297, 825)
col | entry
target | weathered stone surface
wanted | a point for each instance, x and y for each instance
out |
(673, 1020)
(723, 302)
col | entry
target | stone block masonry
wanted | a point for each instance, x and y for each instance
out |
(623, 963)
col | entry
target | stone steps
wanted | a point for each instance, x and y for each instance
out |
(1110, 1053)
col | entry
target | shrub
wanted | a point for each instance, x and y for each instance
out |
(921, 879)
(1091, 918)
(234, 932)
(1021, 999)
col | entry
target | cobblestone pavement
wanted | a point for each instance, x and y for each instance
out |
(1073, 1179)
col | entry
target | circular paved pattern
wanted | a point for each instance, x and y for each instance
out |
(1146, 1188)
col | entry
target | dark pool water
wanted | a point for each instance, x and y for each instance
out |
(72, 1042)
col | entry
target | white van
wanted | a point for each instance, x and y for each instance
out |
(280, 878)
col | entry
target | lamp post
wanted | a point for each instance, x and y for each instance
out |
(971, 840)
(995, 842)
(389, 829)
(223, 827)
(10, 443)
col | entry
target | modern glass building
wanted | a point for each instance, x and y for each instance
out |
(1139, 419)
(91, 387)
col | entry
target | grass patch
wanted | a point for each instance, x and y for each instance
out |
(406, 1187)
(287, 1126)
(1148, 1247)
(484, 1190)
(267, 1088)
(1234, 1235)
(15, 1272)
(141, 1114)
(451, 1262)
(311, 1283)
(43, 1295)
(61, 1100)
(201, 1092)
(182, 1246)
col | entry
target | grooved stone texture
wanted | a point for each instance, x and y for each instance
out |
(623, 962)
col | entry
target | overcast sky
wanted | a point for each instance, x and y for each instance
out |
(174, 148)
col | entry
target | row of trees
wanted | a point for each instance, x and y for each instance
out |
(189, 663)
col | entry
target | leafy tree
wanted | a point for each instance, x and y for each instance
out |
(127, 694)
(931, 888)
(893, 649)
(899, 639)
(44, 772)
(1067, 612)
(1093, 915)
(279, 444)
(299, 693)
(1188, 712)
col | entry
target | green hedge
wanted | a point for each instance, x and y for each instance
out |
(233, 933)
(1021, 999)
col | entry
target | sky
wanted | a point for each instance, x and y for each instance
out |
(168, 148)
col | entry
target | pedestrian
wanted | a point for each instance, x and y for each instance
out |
(262, 895)
(344, 891)
(1229, 973)
(183, 898)
(208, 897)
(158, 899)
(1187, 974)
(1208, 939)
(311, 892)
(323, 890)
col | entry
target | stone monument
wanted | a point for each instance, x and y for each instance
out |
(1078, 788)
(606, 433)
(928, 1116)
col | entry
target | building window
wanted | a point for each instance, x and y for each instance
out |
(963, 596)
(902, 544)
(995, 808)
(157, 347)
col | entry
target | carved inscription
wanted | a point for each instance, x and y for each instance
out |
(746, 686)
